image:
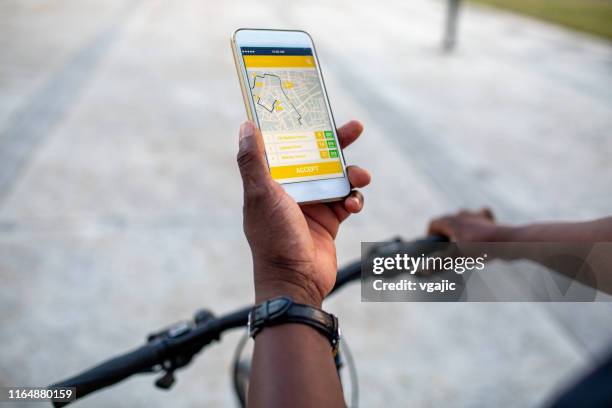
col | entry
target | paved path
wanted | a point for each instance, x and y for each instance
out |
(120, 200)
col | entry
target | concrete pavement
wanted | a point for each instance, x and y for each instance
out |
(120, 203)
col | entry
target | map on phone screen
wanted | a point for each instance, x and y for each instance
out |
(292, 113)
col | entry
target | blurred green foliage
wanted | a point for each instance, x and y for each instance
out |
(591, 16)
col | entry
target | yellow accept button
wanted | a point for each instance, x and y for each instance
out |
(305, 170)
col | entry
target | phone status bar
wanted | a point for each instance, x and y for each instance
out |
(275, 51)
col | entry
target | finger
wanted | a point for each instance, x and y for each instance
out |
(353, 203)
(251, 157)
(441, 226)
(339, 210)
(358, 177)
(325, 218)
(349, 132)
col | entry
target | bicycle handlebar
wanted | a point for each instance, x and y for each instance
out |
(166, 351)
(111, 371)
(352, 271)
(174, 347)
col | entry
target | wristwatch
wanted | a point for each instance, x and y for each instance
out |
(283, 309)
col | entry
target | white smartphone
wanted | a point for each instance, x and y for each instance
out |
(285, 96)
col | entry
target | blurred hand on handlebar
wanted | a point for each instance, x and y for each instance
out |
(476, 226)
(292, 246)
(480, 226)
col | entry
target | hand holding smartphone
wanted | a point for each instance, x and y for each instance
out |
(285, 96)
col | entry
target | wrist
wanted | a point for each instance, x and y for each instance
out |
(300, 292)
(504, 233)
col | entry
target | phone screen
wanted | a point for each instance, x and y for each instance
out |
(292, 113)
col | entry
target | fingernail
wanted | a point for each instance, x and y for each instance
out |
(247, 129)
(355, 201)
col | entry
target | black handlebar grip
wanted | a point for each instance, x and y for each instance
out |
(434, 238)
(346, 274)
(111, 371)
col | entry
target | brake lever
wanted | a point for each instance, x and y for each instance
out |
(179, 329)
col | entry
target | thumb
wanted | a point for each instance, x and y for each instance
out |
(251, 157)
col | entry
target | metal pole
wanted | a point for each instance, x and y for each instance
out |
(450, 33)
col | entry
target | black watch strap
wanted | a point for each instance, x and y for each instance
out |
(283, 309)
